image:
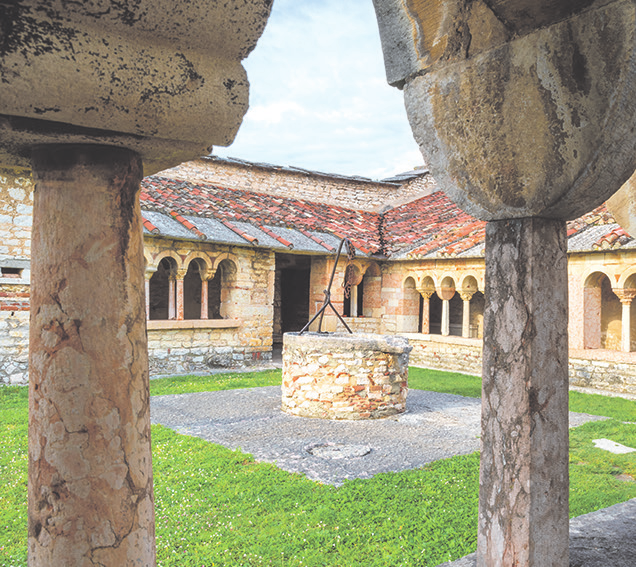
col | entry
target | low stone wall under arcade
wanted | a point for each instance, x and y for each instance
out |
(601, 370)
(198, 346)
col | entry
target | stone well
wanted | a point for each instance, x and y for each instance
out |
(344, 376)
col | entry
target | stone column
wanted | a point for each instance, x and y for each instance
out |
(466, 297)
(445, 317)
(353, 301)
(172, 308)
(426, 310)
(147, 277)
(179, 280)
(205, 278)
(626, 296)
(90, 471)
(523, 500)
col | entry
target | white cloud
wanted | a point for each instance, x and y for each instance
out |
(319, 97)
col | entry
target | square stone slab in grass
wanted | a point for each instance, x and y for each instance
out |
(435, 426)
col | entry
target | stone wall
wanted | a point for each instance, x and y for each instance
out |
(14, 333)
(16, 210)
(198, 349)
(454, 354)
(344, 376)
(602, 370)
(348, 192)
(242, 338)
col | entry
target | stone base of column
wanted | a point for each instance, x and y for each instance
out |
(90, 468)
(523, 500)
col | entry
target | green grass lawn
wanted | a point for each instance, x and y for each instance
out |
(217, 507)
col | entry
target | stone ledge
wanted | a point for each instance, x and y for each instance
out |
(447, 339)
(158, 325)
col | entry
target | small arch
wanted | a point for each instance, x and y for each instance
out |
(410, 308)
(469, 283)
(222, 291)
(177, 262)
(203, 263)
(446, 289)
(602, 313)
(160, 288)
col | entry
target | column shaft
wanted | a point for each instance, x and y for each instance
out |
(179, 299)
(204, 299)
(172, 309)
(466, 317)
(626, 328)
(426, 314)
(147, 295)
(523, 500)
(90, 471)
(445, 317)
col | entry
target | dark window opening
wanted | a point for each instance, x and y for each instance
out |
(11, 272)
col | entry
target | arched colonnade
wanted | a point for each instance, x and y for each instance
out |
(442, 303)
(609, 310)
(198, 286)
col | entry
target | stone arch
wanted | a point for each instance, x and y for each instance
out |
(178, 262)
(370, 291)
(473, 307)
(226, 256)
(223, 300)
(161, 289)
(601, 313)
(203, 262)
(409, 319)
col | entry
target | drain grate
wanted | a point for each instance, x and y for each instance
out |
(338, 450)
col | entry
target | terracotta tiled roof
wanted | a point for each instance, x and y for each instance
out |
(233, 205)
(428, 227)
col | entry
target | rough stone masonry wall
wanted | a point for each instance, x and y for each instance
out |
(16, 210)
(609, 371)
(320, 188)
(16, 207)
(344, 376)
(14, 334)
(244, 339)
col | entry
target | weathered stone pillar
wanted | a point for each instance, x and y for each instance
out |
(626, 296)
(90, 470)
(523, 500)
(172, 308)
(466, 297)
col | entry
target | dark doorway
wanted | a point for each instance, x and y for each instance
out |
(291, 294)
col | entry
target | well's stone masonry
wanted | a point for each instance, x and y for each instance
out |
(343, 376)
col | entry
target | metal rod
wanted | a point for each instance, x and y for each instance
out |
(327, 292)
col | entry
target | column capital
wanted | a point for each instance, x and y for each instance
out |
(179, 274)
(207, 274)
(466, 295)
(625, 295)
(426, 293)
(149, 272)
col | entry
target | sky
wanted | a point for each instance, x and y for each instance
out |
(319, 97)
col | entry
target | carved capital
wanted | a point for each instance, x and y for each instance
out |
(466, 295)
(625, 295)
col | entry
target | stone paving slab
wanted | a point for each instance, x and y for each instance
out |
(435, 426)
(605, 538)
